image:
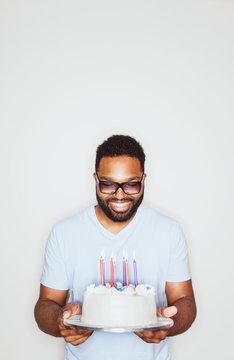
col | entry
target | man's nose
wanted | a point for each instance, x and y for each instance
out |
(120, 194)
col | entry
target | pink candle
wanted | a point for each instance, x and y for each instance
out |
(112, 270)
(102, 267)
(127, 274)
(135, 269)
(126, 269)
(115, 271)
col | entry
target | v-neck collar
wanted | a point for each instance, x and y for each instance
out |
(122, 233)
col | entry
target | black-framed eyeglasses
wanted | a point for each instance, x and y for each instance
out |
(111, 187)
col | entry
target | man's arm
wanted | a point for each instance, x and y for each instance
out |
(50, 310)
(182, 309)
(180, 294)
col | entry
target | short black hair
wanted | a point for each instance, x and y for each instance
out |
(120, 145)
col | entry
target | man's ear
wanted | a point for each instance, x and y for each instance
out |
(94, 176)
(145, 175)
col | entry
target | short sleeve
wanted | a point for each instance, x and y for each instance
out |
(178, 269)
(54, 270)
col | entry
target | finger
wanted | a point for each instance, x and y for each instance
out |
(71, 309)
(61, 324)
(169, 311)
(161, 335)
(157, 341)
(143, 336)
(75, 332)
(148, 334)
(68, 332)
(78, 339)
(67, 311)
(160, 310)
(83, 332)
(139, 334)
(76, 309)
(72, 338)
(145, 333)
(78, 342)
(152, 336)
(146, 339)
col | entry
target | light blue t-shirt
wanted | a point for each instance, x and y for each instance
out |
(72, 262)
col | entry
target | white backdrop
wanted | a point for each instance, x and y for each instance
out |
(74, 73)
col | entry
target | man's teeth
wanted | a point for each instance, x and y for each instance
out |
(120, 206)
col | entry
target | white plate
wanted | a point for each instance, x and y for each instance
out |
(162, 323)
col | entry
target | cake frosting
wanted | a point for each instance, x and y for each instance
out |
(121, 306)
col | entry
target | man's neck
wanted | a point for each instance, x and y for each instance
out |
(113, 226)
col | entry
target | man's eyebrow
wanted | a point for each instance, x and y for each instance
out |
(104, 178)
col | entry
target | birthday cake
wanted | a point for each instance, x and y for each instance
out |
(121, 306)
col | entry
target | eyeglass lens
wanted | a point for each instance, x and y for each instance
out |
(129, 188)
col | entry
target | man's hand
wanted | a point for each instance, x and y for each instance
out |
(158, 336)
(72, 336)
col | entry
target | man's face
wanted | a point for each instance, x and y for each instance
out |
(119, 206)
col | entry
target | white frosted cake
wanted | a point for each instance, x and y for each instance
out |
(126, 306)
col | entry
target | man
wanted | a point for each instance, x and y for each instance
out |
(118, 221)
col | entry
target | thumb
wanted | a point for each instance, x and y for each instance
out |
(167, 311)
(71, 309)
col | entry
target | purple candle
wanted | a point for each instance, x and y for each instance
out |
(124, 268)
(135, 269)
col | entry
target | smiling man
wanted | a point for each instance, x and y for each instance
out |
(118, 201)
(119, 220)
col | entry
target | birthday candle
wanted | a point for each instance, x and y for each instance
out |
(115, 270)
(135, 269)
(112, 269)
(102, 267)
(124, 269)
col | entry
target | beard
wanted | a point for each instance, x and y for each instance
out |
(119, 216)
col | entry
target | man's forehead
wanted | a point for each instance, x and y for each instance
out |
(120, 166)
